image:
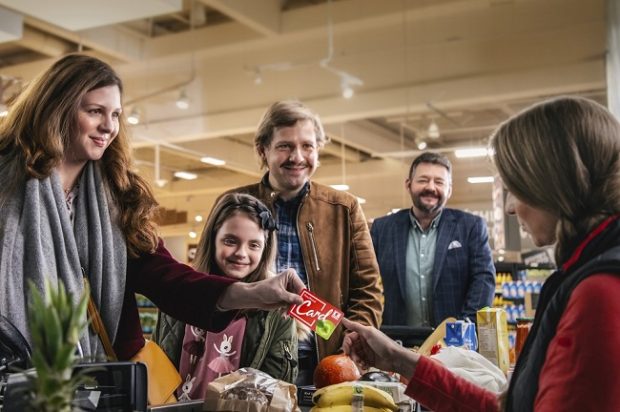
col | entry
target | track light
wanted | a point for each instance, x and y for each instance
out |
(347, 81)
(347, 90)
(433, 130)
(183, 101)
(134, 116)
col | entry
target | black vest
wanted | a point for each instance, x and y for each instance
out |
(524, 383)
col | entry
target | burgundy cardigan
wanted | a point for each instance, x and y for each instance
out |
(173, 287)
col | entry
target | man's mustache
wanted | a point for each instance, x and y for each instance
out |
(289, 163)
(429, 193)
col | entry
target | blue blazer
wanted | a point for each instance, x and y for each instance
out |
(463, 272)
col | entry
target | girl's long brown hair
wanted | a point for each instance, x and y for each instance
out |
(43, 119)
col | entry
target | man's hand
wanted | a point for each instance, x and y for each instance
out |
(368, 347)
(279, 291)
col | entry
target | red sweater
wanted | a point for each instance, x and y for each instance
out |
(581, 370)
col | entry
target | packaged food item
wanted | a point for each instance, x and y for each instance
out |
(250, 390)
(493, 337)
(461, 334)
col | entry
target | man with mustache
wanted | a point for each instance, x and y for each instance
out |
(322, 232)
(435, 262)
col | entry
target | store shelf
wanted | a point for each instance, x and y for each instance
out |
(148, 313)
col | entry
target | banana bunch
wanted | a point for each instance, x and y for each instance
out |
(348, 408)
(352, 396)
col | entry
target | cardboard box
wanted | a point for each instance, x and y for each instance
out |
(493, 337)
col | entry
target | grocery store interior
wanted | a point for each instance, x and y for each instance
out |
(389, 79)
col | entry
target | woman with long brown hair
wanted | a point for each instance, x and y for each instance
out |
(72, 207)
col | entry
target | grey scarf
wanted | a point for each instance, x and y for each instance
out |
(38, 240)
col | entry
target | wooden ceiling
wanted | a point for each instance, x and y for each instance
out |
(464, 65)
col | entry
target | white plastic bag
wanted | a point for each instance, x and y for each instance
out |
(473, 367)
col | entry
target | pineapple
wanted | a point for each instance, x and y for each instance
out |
(55, 326)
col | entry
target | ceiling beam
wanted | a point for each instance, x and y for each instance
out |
(111, 41)
(262, 16)
(44, 43)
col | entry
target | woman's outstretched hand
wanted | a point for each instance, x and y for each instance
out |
(276, 292)
(368, 347)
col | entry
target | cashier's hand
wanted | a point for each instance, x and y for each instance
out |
(276, 292)
(368, 347)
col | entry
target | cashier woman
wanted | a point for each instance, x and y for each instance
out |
(560, 161)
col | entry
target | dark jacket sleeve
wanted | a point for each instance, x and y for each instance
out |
(481, 271)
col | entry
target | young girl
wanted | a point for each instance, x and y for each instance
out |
(238, 242)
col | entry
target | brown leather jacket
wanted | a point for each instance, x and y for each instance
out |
(338, 255)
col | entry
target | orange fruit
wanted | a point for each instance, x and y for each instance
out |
(335, 369)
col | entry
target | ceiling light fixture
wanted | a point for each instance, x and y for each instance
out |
(341, 187)
(481, 179)
(134, 116)
(193, 234)
(422, 145)
(361, 200)
(183, 101)
(212, 161)
(347, 91)
(185, 175)
(471, 152)
(347, 81)
(198, 218)
(433, 130)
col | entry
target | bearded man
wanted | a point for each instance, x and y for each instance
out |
(435, 262)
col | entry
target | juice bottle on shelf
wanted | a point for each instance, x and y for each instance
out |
(523, 328)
